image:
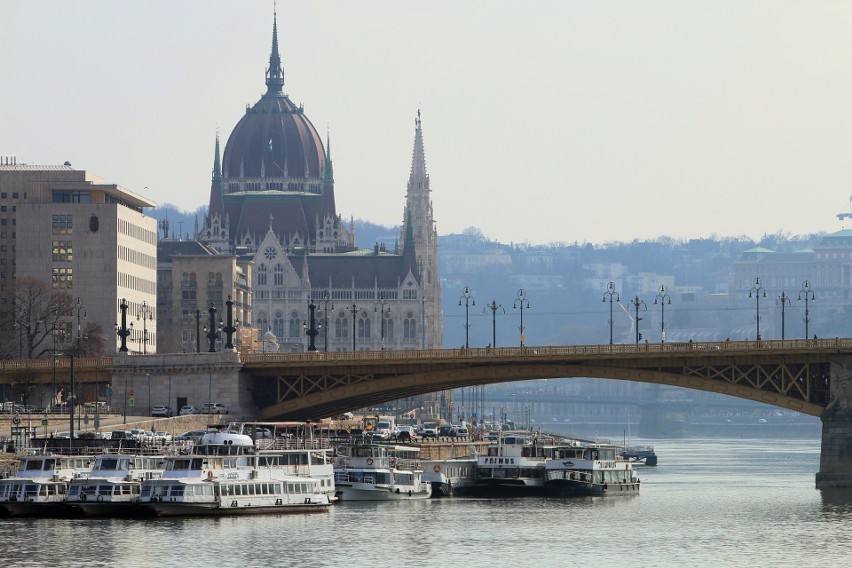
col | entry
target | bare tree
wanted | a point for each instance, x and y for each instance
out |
(40, 316)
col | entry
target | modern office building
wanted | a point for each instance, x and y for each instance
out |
(77, 234)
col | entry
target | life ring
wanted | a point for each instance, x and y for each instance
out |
(437, 468)
(209, 474)
(369, 461)
(100, 498)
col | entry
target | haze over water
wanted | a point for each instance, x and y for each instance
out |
(740, 502)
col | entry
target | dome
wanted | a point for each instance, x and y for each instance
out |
(274, 146)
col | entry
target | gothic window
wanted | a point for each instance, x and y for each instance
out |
(294, 324)
(261, 275)
(279, 275)
(388, 328)
(270, 253)
(341, 326)
(278, 325)
(363, 326)
(409, 327)
(263, 322)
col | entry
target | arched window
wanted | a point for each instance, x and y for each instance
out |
(388, 323)
(261, 275)
(294, 324)
(263, 323)
(341, 326)
(278, 325)
(409, 327)
(363, 326)
(279, 275)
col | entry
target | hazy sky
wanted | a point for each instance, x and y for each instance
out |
(543, 120)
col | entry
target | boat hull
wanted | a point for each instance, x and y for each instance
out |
(177, 509)
(356, 492)
(571, 488)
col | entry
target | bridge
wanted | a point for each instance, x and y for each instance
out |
(813, 377)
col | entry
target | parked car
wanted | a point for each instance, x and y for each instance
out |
(429, 431)
(188, 409)
(161, 410)
(459, 432)
(120, 435)
(191, 436)
(445, 430)
(214, 408)
(405, 434)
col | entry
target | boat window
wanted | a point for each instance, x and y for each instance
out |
(33, 464)
(104, 489)
(49, 464)
(109, 463)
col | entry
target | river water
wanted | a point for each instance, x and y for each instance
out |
(742, 502)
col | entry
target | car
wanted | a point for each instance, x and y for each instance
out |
(161, 410)
(406, 434)
(214, 408)
(191, 436)
(459, 432)
(445, 430)
(188, 409)
(429, 431)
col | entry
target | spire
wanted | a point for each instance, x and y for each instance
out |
(418, 179)
(409, 255)
(275, 74)
(329, 169)
(217, 163)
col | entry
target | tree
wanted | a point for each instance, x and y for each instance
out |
(40, 316)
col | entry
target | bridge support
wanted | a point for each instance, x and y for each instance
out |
(835, 464)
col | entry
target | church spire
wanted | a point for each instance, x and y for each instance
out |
(275, 74)
(418, 179)
(217, 162)
(329, 169)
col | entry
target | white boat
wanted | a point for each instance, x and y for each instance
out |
(227, 475)
(378, 472)
(514, 465)
(40, 483)
(451, 477)
(113, 485)
(585, 468)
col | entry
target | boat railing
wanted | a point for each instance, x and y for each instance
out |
(293, 444)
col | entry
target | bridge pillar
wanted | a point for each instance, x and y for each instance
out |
(835, 462)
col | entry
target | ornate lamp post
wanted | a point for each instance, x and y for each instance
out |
(354, 310)
(384, 313)
(637, 303)
(520, 302)
(494, 306)
(807, 294)
(661, 298)
(145, 314)
(326, 300)
(311, 331)
(197, 329)
(468, 300)
(756, 290)
(122, 331)
(212, 329)
(784, 299)
(611, 292)
(81, 311)
(231, 324)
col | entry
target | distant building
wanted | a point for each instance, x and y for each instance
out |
(81, 235)
(272, 206)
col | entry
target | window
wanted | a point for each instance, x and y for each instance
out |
(278, 325)
(62, 224)
(388, 328)
(62, 251)
(294, 324)
(363, 326)
(341, 326)
(279, 275)
(62, 277)
(261, 275)
(409, 327)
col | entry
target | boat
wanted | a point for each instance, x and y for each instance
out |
(588, 468)
(113, 485)
(513, 465)
(451, 477)
(379, 472)
(640, 455)
(40, 483)
(226, 475)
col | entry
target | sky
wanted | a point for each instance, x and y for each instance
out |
(543, 121)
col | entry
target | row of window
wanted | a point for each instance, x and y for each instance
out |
(135, 283)
(138, 258)
(136, 232)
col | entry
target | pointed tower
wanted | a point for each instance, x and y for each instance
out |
(419, 227)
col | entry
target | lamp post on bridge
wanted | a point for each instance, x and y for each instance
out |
(520, 301)
(311, 331)
(612, 293)
(784, 300)
(468, 300)
(80, 309)
(661, 298)
(145, 314)
(197, 329)
(122, 331)
(212, 329)
(231, 324)
(326, 300)
(756, 290)
(494, 306)
(637, 303)
(354, 310)
(384, 314)
(807, 294)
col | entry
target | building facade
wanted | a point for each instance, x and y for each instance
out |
(272, 206)
(80, 235)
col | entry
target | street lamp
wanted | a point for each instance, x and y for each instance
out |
(756, 290)
(197, 329)
(311, 331)
(122, 331)
(661, 298)
(520, 302)
(146, 315)
(212, 329)
(326, 300)
(468, 301)
(807, 294)
(354, 310)
(611, 292)
(148, 376)
(231, 324)
(494, 306)
(637, 303)
(80, 310)
(784, 299)
(384, 313)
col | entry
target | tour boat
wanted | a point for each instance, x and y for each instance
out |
(378, 472)
(583, 468)
(113, 485)
(227, 475)
(451, 477)
(39, 485)
(514, 465)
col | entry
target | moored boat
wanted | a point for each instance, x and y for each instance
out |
(40, 483)
(584, 468)
(451, 477)
(379, 472)
(514, 465)
(113, 485)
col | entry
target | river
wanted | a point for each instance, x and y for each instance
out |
(710, 502)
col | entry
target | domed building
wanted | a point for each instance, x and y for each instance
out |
(272, 203)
